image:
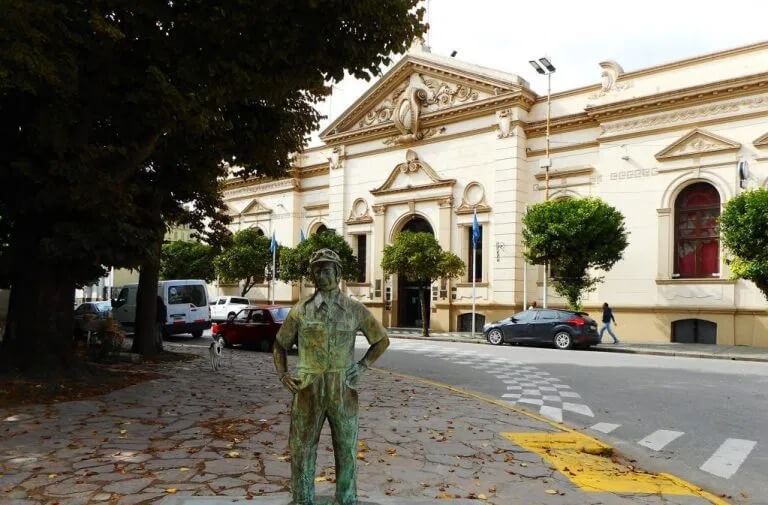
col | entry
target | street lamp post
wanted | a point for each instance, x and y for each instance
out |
(545, 67)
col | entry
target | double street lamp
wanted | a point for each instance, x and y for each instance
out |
(545, 67)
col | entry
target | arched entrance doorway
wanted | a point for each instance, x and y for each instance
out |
(408, 308)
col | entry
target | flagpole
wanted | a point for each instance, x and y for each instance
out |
(474, 277)
(274, 251)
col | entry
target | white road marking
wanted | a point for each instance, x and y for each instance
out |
(728, 457)
(578, 408)
(569, 394)
(551, 398)
(511, 395)
(554, 413)
(604, 427)
(532, 401)
(657, 440)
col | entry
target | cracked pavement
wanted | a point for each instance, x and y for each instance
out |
(204, 433)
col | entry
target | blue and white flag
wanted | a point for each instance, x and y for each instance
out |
(273, 244)
(475, 230)
(302, 238)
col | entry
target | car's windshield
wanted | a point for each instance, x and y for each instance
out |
(280, 313)
(104, 306)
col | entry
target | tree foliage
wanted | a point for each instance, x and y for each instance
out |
(294, 262)
(419, 257)
(744, 229)
(116, 116)
(245, 260)
(574, 236)
(187, 260)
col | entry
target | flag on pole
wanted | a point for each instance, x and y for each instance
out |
(302, 238)
(273, 244)
(475, 230)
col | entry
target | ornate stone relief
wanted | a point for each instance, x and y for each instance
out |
(697, 143)
(252, 207)
(412, 165)
(408, 102)
(692, 114)
(336, 159)
(359, 213)
(609, 78)
(473, 199)
(504, 118)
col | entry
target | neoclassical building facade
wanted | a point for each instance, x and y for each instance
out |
(435, 139)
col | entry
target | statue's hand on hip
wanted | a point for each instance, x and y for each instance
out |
(354, 372)
(291, 383)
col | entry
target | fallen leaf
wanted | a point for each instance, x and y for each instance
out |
(481, 496)
(183, 469)
(233, 454)
(321, 478)
(50, 475)
(550, 491)
(170, 490)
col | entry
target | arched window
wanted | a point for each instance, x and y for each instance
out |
(320, 229)
(697, 239)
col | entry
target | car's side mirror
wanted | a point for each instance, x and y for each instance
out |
(117, 303)
(512, 319)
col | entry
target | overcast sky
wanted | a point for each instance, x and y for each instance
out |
(576, 36)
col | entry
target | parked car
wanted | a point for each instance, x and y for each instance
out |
(253, 325)
(186, 303)
(562, 328)
(90, 316)
(227, 306)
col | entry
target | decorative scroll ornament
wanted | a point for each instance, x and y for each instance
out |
(410, 101)
(412, 165)
(359, 213)
(696, 143)
(504, 118)
(336, 159)
(609, 78)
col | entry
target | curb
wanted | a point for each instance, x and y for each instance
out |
(650, 352)
(563, 427)
(682, 354)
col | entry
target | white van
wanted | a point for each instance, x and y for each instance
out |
(186, 302)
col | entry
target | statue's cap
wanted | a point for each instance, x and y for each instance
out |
(324, 255)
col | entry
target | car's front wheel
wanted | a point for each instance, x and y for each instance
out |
(495, 337)
(197, 333)
(563, 340)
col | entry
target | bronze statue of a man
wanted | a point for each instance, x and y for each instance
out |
(325, 387)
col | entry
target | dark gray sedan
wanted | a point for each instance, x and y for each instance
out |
(562, 328)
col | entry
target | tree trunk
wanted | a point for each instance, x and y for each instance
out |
(423, 303)
(40, 324)
(147, 339)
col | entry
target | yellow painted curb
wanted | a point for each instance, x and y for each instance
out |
(585, 460)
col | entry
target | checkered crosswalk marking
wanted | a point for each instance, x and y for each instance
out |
(525, 384)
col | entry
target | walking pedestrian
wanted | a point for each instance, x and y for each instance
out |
(533, 305)
(607, 320)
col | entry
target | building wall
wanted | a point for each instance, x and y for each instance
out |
(635, 140)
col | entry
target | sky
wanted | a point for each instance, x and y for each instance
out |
(576, 36)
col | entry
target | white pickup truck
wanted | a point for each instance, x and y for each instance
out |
(226, 306)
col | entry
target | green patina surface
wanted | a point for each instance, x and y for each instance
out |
(324, 386)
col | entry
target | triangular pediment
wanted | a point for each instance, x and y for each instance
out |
(697, 143)
(761, 141)
(252, 207)
(411, 175)
(436, 83)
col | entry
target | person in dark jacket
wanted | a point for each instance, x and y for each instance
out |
(607, 320)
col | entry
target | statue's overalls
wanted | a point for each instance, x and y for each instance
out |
(325, 331)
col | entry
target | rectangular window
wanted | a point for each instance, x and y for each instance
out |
(476, 257)
(362, 255)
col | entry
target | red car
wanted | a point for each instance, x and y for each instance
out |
(254, 325)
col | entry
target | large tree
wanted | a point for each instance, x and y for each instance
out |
(294, 262)
(419, 257)
(574, 236)
(744, 228)
(116, 115)
(245, 260)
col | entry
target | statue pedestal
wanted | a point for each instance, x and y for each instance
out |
(285, 499)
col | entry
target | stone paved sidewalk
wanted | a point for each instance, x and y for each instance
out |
(206, 433)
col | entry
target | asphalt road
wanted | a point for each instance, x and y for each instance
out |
(703, 420)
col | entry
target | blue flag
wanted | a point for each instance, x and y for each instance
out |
(475, 230)
(302, 238)
(273, 244)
